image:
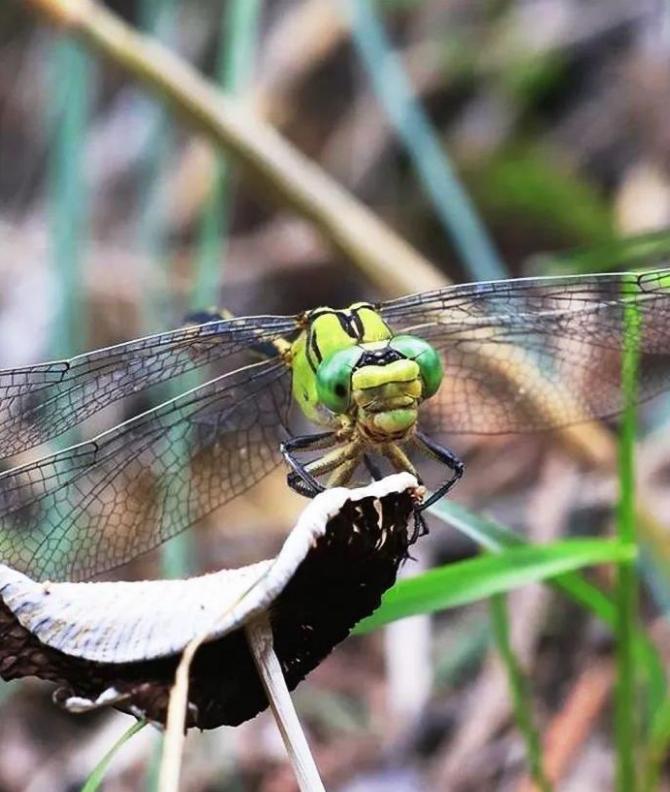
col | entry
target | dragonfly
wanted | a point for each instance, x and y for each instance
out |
(509, 356)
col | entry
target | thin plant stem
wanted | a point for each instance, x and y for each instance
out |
(386, 258)
(236, 49)
(521, 699)
(259, 636)
(451, 203)
(69, 116)
(96, 778)
(625, 726)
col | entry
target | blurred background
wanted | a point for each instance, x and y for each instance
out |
(545, 124)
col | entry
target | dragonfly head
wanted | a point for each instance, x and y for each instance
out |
(380, 384)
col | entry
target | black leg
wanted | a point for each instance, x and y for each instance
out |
(420, 527)
(299, 479)
(372, 469)
(447, 458)
(297, 483)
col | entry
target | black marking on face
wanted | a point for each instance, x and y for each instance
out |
(379, 357)
(357, 324)
(314, 356)
(349, 320)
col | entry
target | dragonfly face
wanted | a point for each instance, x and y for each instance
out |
(350, 369)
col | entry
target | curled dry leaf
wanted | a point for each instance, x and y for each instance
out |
(119, 643)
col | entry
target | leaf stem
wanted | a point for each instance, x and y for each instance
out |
(625, 727)
(519, 692)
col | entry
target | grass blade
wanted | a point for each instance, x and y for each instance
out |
(95, 779)
(657, 748)
(237, 45)
(625, 726)
(495, 537)
(69, 117)
(518, 686)
(450, 200)
(477, 578)
(159, 17)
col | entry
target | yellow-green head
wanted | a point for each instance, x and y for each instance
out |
(350, 363)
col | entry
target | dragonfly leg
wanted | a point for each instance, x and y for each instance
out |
(300, 479)
(342, 474)
(398, 458)
(446, 457)
(341, 461)
(400, 461)
(372, 469)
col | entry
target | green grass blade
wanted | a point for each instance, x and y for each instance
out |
(95, 779)
(649, 249)
(477, 578)
(68, 116)
(68, 119)
(657, 748)
(521, 699)
(237, 45)
(495, 537)
(159, 17)
(438, 178)
(625, 725)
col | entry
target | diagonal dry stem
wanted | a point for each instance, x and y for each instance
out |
(259, 635)
(301, 184)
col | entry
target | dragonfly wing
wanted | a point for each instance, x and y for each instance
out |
(99, 504)
(537, 353)
(40, 402)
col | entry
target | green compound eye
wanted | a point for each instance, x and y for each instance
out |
(333, 379)
(427, 358)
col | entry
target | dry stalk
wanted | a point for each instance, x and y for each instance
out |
(259, 635)
(301, 184)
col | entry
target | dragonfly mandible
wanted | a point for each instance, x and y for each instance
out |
(501, 357)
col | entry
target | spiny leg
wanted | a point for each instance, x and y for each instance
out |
(398, 458)
(372, 469)
(401, 462)
(446, 457)
(342, 474)
(341, 461)
(299, 478)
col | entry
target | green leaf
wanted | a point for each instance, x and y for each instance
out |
(497, 538)
(650, 249)
(95, 779)
(477, 578)
(520, 693)
(626, 730)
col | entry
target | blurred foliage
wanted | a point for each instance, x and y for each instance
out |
(524, 189)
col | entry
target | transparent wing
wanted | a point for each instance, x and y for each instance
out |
(40, 402)
(537, 353)
(96, 505)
